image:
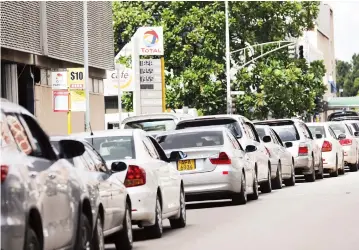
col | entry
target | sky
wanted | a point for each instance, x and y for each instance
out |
(346, 28)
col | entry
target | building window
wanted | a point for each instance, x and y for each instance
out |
(90, 81)
(95, 86)
(100, 83)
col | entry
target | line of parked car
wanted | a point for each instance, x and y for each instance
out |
(84, 190)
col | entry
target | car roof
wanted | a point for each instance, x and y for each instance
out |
(194, 129)
(109, 132)
(316, 123)
(10, 107)
(273, 121)
(154, 116)
(213, 117)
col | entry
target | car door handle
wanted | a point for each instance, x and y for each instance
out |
(52, 175)
(32, 174)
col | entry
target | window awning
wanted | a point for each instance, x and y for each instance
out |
(344, 102)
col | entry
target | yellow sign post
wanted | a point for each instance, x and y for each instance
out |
(163, 84)
(76, 86)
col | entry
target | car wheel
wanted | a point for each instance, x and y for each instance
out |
(84, 237)
(310, 177)
(291, 181)
(353, 167)
(342, 169)
(255, 194)
(241, 197)
(98, 239)
(320, 174)
(278, 182)
(181, 221)
(156, 230)
(335, 173)
(124, 238)
(32, 241)
(266, 187)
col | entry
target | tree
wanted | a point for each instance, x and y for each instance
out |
(194, 35)
(348, 76)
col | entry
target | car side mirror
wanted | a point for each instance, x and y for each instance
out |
(288, 144)
(118, 166)
(356, 133)
(318, 136)
(267, 139)
(342, 136)
(251, 148)
(70, 149)
(177, 156)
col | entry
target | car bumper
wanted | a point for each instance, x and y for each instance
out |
(302, 165)
(222, 179)
(12, 233)
(143, 201)
(329, 160)
(350, 156)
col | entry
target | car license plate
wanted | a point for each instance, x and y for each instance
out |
(186, 165)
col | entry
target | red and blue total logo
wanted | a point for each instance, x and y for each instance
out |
(150, 38)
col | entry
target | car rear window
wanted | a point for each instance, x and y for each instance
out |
(113, 147)
(286, 132)
(317, 130)
(231, 124)
(339, 128)
(152, 124)
(261, 132)
(355, 126)
(191, 140)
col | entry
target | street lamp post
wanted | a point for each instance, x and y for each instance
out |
(86, 52)
(228, 65)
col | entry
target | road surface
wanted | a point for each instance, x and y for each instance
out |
(309, 216)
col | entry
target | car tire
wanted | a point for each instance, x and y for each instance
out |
(241, 197)
(32, 241)
(124, 238)
(84, 236)
(155, 231)
(342, 170)
(320, 174)
(98, 239)
(310, 177)
(278, 181)
(335, 173)
(266, 187)
(291, 181)
(255, 194)
(181, 221)
(353, 167)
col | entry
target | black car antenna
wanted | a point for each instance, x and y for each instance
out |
(90, 129)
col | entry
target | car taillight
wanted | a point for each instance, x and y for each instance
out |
(4, 171)
(327, 146)
(303, 150)
(345, 142)
(268, 152)
(136, 176)
(221, 159)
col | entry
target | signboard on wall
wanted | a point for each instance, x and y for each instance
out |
(60, 100)
(76, 78)
(150, 41)
(111, 83)
(59, 80)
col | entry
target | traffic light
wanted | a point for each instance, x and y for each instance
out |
(301, 52)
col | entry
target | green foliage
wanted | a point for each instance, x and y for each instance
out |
(194, 35)
(348, 76)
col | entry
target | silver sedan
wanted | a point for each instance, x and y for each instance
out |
(215, 167)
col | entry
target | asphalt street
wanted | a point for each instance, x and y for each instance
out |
(323, 215)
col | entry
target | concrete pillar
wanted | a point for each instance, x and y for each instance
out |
(11, 83)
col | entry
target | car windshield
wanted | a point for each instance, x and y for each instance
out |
(113, 147)
(261, 132)
(286, 132)
(317, 130)
(152, 125)
(231, 124)
(191, 140)
(339, 128)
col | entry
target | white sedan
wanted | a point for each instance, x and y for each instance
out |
(332, 151)
(215, 167)
(155, 187)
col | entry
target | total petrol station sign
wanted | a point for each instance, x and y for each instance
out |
(151, 41)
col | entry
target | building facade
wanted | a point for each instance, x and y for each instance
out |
(38, 38)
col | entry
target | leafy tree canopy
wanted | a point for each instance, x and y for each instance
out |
(194, 36)
(348, 76)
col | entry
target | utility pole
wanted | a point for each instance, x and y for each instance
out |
(86, 66)
(228, 65)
